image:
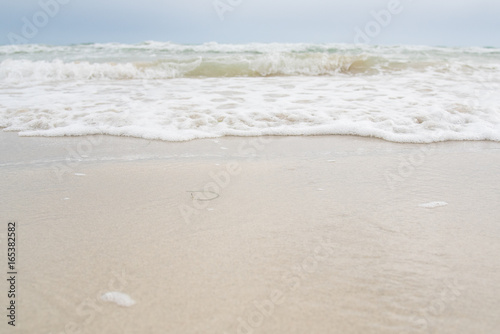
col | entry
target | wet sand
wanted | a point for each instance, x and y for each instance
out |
(253, 235)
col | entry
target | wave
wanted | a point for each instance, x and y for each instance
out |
(165, 60)
(275, 64)
(251, 48)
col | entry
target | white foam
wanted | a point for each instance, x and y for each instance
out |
(185, 109)
(118, 298)
(431, 205)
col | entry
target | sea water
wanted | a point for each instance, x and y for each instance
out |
(173, 92)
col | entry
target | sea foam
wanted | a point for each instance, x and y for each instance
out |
(118, 298)
(432, 205)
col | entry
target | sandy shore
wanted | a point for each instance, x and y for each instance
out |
(253, 235)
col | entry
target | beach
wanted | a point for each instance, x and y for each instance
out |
(250, 188)
(269, 234)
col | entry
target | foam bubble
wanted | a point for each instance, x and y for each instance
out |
(118, 298)
(432, 205)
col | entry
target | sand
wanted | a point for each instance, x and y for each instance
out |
(327, 234)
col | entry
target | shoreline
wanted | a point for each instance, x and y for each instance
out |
(21, 149)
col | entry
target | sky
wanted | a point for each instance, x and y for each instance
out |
(418, 22)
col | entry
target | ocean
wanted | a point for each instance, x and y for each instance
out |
(173, 92)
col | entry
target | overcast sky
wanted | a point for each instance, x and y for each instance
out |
(429, 22)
